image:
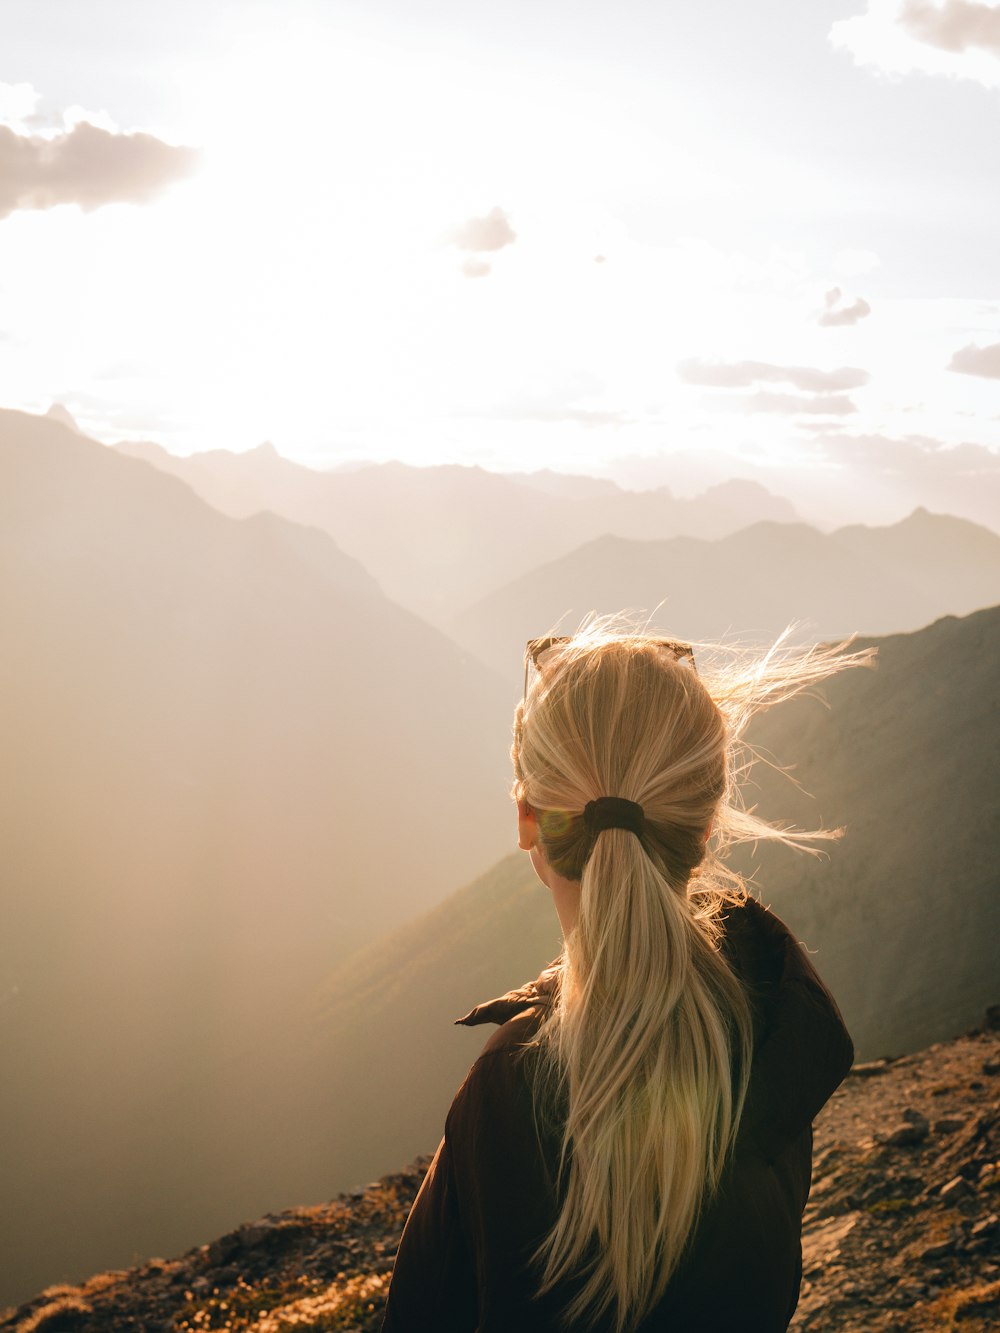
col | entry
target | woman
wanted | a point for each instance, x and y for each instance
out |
(632, 1150)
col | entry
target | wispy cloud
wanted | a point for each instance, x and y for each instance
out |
(744, 374)
(836, 314)
(819, 404)
(957, 25)
(88, 166)
(474, 267)
(974, 360)
(580, 416)
(957, 38)
(916, 457)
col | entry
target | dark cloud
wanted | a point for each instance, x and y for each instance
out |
(973, 360)
(87, 166)
(955, 26)
(491, 232)
(744, 374)
(837, 314)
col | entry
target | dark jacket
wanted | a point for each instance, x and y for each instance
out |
(489, 1195)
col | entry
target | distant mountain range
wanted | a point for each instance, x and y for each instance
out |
(228, 759)
(750, 584)
(438, 538)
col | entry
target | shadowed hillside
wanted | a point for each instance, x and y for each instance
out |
(438, 538)
(751, 583)
(900, 1234)
(219, 741)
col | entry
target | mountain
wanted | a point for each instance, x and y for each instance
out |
(438, 538)
(228, 760)
(751, 583)
(61, 413)
(900, 1231)
(903, 912)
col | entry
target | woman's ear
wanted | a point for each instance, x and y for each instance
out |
(527, 827)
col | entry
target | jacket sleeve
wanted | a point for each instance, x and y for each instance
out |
(804, 1054)
(464, 1259)
(433, 1283)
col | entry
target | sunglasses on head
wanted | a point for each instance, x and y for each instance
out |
(534, 649)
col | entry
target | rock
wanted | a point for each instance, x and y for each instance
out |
(956, 1188)
(223, 1249)
(913, 1130)
(257, 1233)
(907, 1290)
(991, 1066)
(869, 1068)
(936, 1251)
(985, 1227)
(948, 1124)
(822, 1247)
(991, 1021)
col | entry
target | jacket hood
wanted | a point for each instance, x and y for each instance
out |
(514, 1002)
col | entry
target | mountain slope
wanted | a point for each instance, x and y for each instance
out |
(223, 754)
(752, 583)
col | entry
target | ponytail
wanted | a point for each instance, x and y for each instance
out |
(651, 1037)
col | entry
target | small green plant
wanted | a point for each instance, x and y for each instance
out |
(897, 1204)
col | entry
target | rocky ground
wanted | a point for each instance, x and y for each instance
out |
(901, 1230)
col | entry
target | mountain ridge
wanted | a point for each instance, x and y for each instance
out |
(438, 537)
(751, 582)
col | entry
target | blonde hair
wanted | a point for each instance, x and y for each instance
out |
(647, 1045)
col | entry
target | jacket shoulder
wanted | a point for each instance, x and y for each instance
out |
(802, 1048)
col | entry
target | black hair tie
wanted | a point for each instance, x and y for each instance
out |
(613, 812)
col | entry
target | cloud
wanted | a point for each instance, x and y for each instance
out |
(959, 38)
(973, 360)
(820, 404)
(579, 416)
(88, 166)
(837, 314)
(744, 374)
(18, 103)
(491, 232)
(916, 457)
(476, 268)
(957, 26)
(961, 479)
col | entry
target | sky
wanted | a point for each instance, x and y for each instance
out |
(598, 237)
